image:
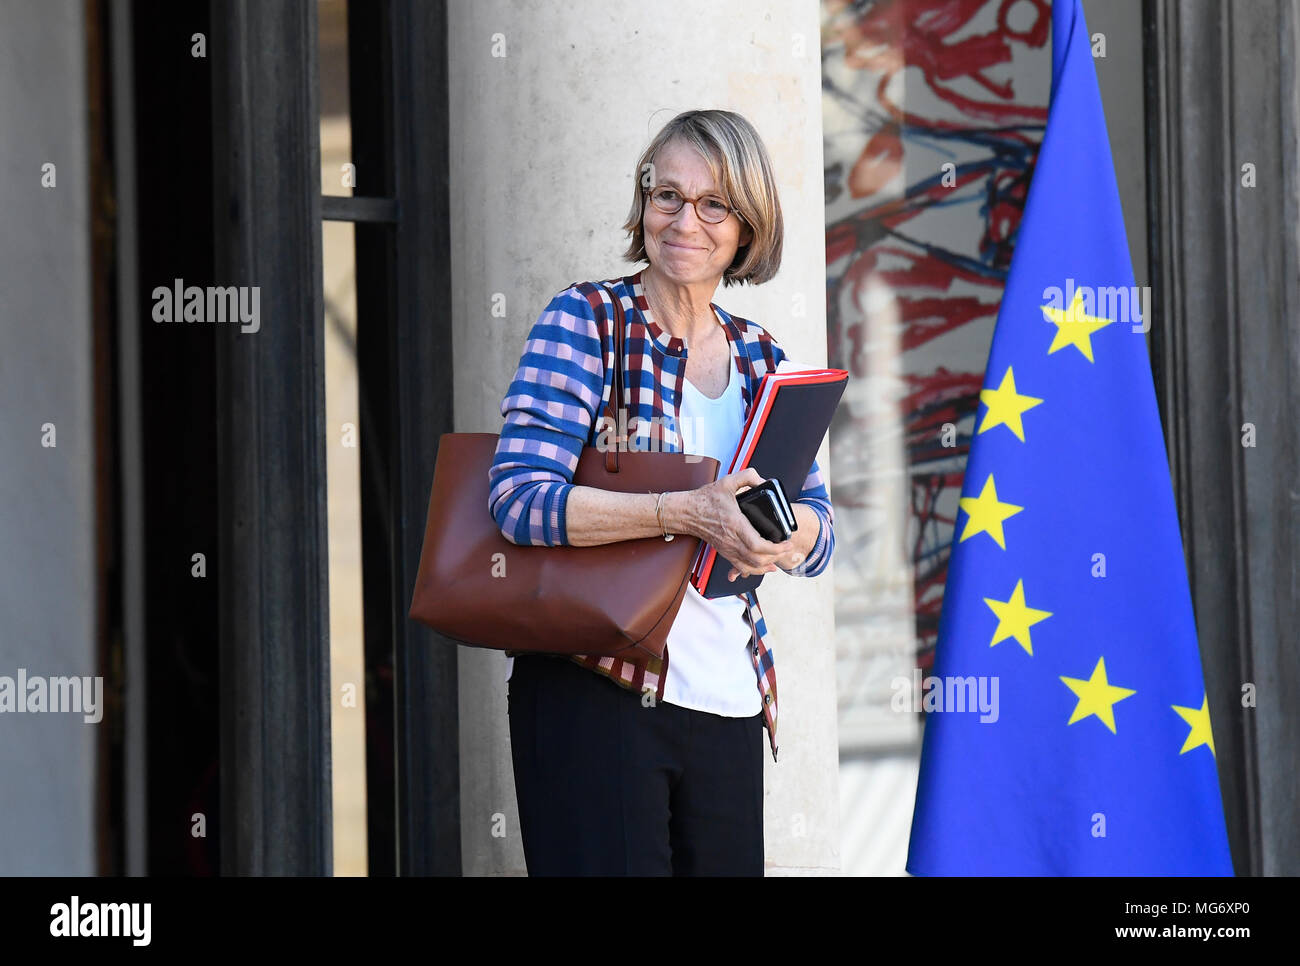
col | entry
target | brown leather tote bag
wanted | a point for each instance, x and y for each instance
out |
(619, 599)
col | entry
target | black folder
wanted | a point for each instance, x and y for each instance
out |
(788, 417)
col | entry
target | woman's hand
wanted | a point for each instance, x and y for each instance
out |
(712, 514)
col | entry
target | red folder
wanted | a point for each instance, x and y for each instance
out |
(788, 417)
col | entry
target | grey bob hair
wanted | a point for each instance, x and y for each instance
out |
(743, 171)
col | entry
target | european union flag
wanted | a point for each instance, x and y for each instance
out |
(1067, 598)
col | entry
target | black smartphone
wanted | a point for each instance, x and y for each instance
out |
(786, 509)
(768, 510)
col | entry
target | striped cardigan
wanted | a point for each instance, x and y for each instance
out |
(555, 398)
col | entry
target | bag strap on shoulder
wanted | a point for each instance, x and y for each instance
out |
(619, 437)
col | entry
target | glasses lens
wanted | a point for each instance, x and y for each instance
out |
(666, 200)
(712, 209)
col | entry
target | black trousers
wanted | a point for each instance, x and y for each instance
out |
(608, 786)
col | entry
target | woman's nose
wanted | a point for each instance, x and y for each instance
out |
(684, 220)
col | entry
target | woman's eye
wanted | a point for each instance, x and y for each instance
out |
(716, 205)
(666, 194)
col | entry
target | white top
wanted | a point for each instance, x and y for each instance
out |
(709, 667)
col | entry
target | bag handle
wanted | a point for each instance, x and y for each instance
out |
(616, 391)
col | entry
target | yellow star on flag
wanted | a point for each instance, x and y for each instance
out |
(1006, 406)
(1199, 719)
(1015, 618)
(1073, 326)
(985, 514)
(1097, 696)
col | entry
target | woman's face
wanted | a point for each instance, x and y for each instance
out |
(681, 247)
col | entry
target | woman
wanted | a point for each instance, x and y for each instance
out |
(656, 770)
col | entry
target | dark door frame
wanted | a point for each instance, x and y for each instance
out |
(276, 781)
(1221, 92)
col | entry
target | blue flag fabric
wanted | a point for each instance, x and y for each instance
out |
(1070, 732)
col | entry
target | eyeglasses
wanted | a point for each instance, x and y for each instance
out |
(708, 208)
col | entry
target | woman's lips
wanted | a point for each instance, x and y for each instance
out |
(689, 248)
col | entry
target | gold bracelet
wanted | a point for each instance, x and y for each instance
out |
(658, 505)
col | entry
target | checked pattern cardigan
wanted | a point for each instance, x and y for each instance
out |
(558, 391)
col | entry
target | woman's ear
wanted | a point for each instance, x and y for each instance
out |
(746, 235)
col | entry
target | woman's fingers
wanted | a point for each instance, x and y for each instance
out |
(733, 574)
(755, 565)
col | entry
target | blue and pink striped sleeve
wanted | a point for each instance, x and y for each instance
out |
(817, 498)
(549, 409)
